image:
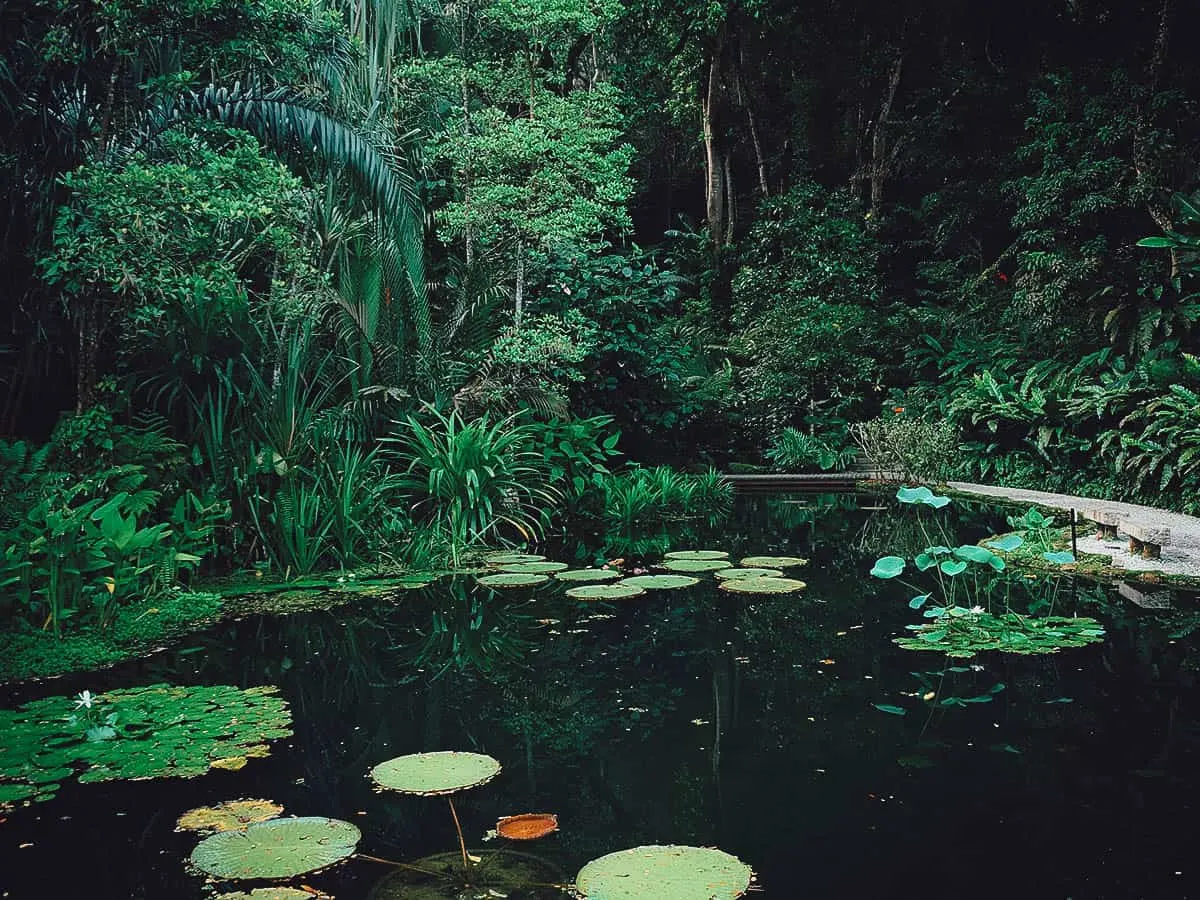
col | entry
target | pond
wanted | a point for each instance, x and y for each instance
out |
(692, 716)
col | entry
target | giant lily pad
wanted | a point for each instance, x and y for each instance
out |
(534, 568)
(665, 873)
(660, 582)
(157, 731)
(774, 562)
(527, 826)
(280, 848)
(769, 585)
(232, 815)
(437, 773)
(696, 565)
(278, 892)
(588, 575)
(618, 591)
(512, 580)
(724, 574)
(506, 558)
(696, 554)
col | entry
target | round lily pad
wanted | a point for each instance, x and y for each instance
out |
(660, 582)
(507, 558)
(774, 562)
(588, 575)
(665, 873)
(696, 554)
(772, 585)
(271, 893)
(534, 568)
(696, 565)
(232, 815)
(618, 591)
(724, 574)
(511, 580)
(437, 773)
(527, 826)
(280, 848)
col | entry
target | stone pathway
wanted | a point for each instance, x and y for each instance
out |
(1180, 557)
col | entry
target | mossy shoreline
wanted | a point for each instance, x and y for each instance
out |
(142, 628)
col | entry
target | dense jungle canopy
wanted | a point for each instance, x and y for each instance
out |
(256, 252)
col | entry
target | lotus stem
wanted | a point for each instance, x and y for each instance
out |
(461, 843)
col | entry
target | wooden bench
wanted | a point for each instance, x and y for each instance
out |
(1147, 540)
(1107, 521)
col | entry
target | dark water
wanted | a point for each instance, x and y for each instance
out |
(690, 717)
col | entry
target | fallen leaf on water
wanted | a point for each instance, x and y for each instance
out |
(929, 695)
(827, 662)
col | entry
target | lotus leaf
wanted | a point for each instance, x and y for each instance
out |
(512, 580)
(723, 574)
(982, 555)
(534, 568)
(660, 582)
(697, 554)
(1060, 558)
(665, 873)
(696, 565)
(157, 731)
(953, 567)
(618, 591)
(959, 633)
(921, 495)
(588, 575)
(232, 815)
(770, 585)
(437, 773)
(280, 848)
(774, 562)
(888, 567)
(505, 558)
(1007, 544)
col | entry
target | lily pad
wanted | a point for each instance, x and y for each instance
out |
(696, 554)
(774, 562)
(274, 893)
(232, 815)
(588, 575)
(665, 873)
(437, 773)
(527, 826)
(534, 568)
(159, 731)
(723, 574)
(512, 580)
(696, 565)
(770, 585)
(280, 848)
(618, 591)
(660, 582)
(505, 558)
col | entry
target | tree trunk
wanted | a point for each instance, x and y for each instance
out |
(89, 351)
(520, 288)
(880, 165)
(714, 162)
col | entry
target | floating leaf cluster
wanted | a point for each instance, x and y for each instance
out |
(158, 731)
(960, 633)
(232, 815)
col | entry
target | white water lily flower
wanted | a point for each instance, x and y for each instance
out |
(975, 610)
(84, 700)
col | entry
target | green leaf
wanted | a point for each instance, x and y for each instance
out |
(918, 601)
(1007, 544)
(1060, 558)
(953, 567)
(888, 567)
(891, 710)
(1157, 243)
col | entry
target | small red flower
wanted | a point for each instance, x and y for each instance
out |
(898, 409)
(1002, 278)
